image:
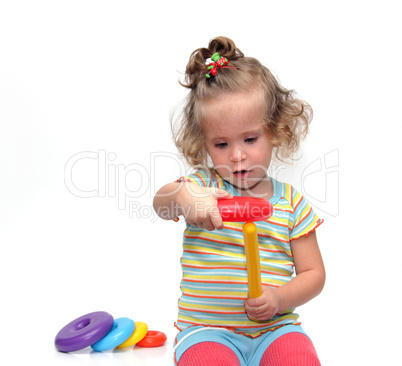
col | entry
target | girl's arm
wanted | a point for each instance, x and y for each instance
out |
(197, 204)
(307, 284)
(165, 201)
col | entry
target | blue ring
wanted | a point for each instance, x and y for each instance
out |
(121, 331)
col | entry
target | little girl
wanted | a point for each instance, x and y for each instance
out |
(236, 118)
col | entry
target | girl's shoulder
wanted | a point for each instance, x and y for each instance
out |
(286, 194)
(290, 203)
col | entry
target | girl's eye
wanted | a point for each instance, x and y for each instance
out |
(221, 145)
(251, 140)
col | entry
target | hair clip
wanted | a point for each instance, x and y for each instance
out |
(217, 62)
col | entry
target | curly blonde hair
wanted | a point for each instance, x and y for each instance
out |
(286, 118)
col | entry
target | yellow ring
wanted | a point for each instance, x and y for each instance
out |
(139, 333)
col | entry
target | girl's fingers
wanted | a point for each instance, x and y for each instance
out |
(221, 194)
(216, 218)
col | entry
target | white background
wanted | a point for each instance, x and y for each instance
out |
(101, 77)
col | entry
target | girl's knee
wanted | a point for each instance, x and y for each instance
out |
(291, 349)
(209, 354)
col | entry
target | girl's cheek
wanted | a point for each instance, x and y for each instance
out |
(223, 171)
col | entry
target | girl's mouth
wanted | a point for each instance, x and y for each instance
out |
(242, 174)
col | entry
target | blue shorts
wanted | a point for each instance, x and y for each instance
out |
(248, 350)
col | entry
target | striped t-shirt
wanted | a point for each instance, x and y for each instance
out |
(214, 284)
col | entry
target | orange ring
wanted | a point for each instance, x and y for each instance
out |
(153, 339)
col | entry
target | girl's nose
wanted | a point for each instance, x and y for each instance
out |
(237, 155)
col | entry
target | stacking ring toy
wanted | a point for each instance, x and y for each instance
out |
(153, 339)
(139, 333)
(241, 209)
(121, 330)
(83, 331)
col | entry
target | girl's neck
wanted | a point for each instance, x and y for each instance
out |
(262, 189)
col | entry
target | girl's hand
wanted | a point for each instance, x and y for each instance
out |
(199, 207)
(263, 307)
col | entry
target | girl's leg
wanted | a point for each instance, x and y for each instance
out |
(291, 349)
(209, 354)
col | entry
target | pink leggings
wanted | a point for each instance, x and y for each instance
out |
(291, 349)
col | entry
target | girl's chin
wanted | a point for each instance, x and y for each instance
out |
(243, 184)
(256, 186)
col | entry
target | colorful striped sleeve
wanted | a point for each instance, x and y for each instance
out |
(203, 179)
(305, 219)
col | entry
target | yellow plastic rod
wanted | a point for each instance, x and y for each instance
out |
(253, 260)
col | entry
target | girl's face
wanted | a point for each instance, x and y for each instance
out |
(237, 143)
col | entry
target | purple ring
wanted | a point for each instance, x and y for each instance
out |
(83, 331)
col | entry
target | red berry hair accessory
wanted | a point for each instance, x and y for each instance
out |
(216, 63)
